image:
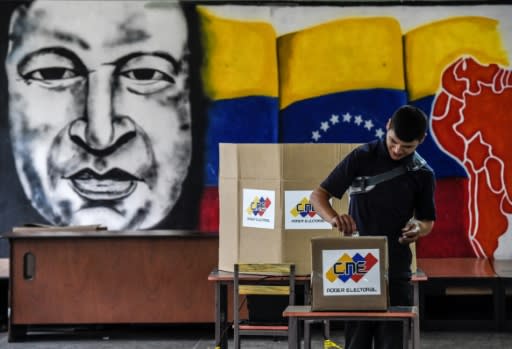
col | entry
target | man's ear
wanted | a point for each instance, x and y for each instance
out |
(17, 16)
(388, 124)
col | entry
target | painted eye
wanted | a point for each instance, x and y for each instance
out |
(147, 75)
(51, 74)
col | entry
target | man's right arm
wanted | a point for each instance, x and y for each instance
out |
(320, 200)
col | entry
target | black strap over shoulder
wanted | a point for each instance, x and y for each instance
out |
(364, 184)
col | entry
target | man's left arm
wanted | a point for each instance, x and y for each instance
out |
(424, 209)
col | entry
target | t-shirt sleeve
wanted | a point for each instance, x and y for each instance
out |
(339, 180)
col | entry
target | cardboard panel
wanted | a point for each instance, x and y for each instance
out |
(312, 161)
(228, 161)
(298, 247)
(255, 182)
(259, 161)
(228, 223)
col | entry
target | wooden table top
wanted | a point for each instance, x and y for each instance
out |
(220, 275)
(305, 311)
(457, 267)
(41, 233)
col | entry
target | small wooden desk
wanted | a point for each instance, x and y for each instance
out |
(468, 280)
(295, 313)
(222, 279)
(109, 277)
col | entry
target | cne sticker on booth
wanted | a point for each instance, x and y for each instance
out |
(351, 272)
(300, 214)
(258, 210)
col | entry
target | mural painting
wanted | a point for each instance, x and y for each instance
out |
(99, 112)
(115, 119)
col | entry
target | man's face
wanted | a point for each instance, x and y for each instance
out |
(397, 148)
(99, 110)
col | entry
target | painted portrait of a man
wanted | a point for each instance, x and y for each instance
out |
(99, 112)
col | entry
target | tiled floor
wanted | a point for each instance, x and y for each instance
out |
(201, 337)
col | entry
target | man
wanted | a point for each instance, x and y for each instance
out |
(400, 208)
(99, 110)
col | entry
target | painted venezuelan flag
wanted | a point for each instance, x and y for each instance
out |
(340, 81)
(239, 74)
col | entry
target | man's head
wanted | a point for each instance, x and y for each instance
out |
(405, 131)
(99, 110)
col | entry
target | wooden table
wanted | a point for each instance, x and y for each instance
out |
(461, 284)
(223, 279)
(109, 277)
(407, 315)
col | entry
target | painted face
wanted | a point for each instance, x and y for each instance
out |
(397, 148)
(99, 110)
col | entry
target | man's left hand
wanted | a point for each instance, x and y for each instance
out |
(410, 233)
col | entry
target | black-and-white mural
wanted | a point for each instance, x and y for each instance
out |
(99, 111)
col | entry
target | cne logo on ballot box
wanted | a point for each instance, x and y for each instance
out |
(351, 272)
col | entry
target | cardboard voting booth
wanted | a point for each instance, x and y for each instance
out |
(265, 213)
(349, 273)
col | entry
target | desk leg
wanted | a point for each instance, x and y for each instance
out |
(415, 332)
(406, 333)
(293, 333)
(416, 329)
(221, 315)
(307, 333)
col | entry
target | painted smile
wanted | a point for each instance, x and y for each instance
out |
(115, 184)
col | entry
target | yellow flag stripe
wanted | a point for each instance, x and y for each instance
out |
(240, 57)
(342, 55)
(431, 48)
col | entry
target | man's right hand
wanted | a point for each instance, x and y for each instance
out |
(320, 200)
(344, 223)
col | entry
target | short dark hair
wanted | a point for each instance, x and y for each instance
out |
(409, 123)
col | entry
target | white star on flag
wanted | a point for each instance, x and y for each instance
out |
(347, 117)
(358, 120)
(368, 124)
(316, 136)
(324, 125)
(335, 119)
(379, 133)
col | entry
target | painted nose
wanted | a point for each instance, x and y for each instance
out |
(100, 131)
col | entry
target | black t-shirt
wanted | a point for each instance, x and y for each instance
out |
(385, 209)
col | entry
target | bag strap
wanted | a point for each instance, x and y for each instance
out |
(364, 184)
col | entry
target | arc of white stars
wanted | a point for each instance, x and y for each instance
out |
(346, 118)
